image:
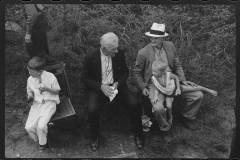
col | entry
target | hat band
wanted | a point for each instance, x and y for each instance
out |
(157, 32)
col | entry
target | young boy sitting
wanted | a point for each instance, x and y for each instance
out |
(167, 84)
(43, 89)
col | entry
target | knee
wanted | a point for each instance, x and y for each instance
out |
(28, 128)
(159, 108)
(41, 127)
(199, 95)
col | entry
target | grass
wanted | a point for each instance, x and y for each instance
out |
(206, 47)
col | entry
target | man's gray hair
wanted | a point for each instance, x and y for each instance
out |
(108, 39)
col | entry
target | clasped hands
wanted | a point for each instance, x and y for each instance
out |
(109, 90)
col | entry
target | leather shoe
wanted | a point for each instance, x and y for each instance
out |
(95, 144)
(139, 141)
(187, 123)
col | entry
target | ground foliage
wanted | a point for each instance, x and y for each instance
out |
(205, 38)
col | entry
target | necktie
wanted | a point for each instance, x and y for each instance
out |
(109, 73)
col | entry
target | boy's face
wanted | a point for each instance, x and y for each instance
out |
(157, 72)
(34, 73)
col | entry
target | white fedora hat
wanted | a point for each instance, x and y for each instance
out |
(157, 30)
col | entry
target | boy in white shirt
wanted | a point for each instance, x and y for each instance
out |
(43, 89)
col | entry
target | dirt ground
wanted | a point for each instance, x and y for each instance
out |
(116, 139)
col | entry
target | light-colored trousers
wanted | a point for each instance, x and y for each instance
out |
(39, 115)
(189, 111)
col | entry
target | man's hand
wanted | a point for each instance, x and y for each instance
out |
(115, 85)
(145, 92)
(189, 83)
(154, 100)
(28, 38)
(107, 90)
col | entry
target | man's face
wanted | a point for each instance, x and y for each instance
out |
(34, 73)
(111, 50)
(156, 41)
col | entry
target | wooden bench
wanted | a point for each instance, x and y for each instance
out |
(65, 108)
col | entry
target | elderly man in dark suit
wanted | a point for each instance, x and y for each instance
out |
(105, 70)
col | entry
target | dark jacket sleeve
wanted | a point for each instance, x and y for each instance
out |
(124, 71)
(138, 70)
(32, 15)
(86, 74)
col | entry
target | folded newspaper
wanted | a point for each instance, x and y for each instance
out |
(115, 92)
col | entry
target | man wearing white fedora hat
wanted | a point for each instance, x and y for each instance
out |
(164, 50)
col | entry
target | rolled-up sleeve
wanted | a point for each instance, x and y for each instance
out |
(55, 84)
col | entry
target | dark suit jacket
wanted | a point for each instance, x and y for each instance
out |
(92, 70)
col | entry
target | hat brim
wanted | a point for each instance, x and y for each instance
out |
(154, 35)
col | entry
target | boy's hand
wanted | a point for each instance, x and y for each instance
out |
(43, 88)
(145, 92)
(29, 98)
(178, 92)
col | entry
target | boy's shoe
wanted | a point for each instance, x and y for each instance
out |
(94, 144)
(42, 147)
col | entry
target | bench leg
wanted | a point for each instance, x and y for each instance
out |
(48, 141)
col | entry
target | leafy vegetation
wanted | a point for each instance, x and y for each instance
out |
(205, 38)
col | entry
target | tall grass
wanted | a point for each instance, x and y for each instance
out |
(205, 38)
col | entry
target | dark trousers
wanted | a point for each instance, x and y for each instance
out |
(39, 45)
(127, 100)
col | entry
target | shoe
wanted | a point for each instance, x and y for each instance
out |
(42, 147)
(187, 123)
(167, 136)
(95, 144)
(139, 141)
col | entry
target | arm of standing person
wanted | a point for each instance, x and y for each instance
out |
(32, 15)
